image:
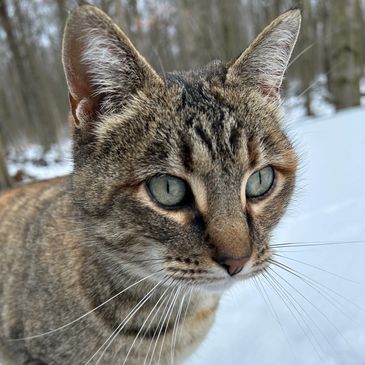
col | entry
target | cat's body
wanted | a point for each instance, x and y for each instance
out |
(70, 244)
(58, 276)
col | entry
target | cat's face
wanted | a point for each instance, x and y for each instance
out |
(184, 176)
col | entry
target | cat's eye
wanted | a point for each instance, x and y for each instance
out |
(169, 191)
(260, 182)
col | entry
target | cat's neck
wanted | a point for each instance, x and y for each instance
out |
(143, 305)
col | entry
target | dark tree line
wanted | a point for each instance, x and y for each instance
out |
(172, 34)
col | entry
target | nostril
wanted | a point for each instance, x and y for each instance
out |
(233, 265)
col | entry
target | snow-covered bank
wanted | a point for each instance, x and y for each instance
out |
(35, 164)
(321, 321)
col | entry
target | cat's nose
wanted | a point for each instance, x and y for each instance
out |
(233, 265)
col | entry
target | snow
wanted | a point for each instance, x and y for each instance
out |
(320, 99)
(326, 325)
(37, 164)
(329, 205)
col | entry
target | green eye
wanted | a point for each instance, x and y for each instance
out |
(260, 182)
(168, 190)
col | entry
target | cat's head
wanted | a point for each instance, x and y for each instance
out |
(186, 174)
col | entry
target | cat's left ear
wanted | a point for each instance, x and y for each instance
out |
(264, 62)
(103, 69)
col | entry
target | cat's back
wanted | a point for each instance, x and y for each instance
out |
(31, 217)
(21, 205)
(23, 212)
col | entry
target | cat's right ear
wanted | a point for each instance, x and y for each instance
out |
(102, 67)
(263, 64)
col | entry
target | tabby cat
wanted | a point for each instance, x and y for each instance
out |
(178, 182)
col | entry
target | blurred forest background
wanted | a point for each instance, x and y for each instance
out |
(328, 62)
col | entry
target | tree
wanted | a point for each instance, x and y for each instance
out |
(5, 180)
(345, 52)
(306, 45)
(6, 23)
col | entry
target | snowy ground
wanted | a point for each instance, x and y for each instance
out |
(36, 164)
(320, 319)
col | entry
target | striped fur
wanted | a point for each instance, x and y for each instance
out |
(70, 244)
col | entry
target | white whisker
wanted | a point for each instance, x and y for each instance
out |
(174, 331)
(185, 313)
(161, 325)
(168, 320)
(158, 326)
(84, 315)
(144, 323)
(116, 332)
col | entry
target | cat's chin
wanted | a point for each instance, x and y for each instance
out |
(220, 285)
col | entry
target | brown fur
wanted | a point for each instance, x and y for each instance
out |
(70, 244)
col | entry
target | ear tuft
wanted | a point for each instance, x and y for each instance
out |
(264, 62)
(102, 67)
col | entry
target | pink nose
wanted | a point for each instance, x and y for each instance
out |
(233, 265)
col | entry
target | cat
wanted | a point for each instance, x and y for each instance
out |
(178, 182)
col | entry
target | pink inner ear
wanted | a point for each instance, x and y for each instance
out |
(82, 101)
(78, 78)
(73, 105)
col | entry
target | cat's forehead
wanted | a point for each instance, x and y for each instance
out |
(196, 125)
(209, 129)
(225, 127)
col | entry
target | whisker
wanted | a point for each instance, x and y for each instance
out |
(314, 83)
(306, 49)
(160, 327)
(120, 327)
(144, 323)
(283, 294)
(266, 298)
(176, 324)
(146, 260)
(319, 268)
(159, 323)
(160, 306)
(306, 278)
(186, 312)
(314, 243)
(153, 317)
(326, 293)
(84, 315)
(168, 321)
(313, 306)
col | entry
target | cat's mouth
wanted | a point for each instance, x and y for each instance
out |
(214, 277)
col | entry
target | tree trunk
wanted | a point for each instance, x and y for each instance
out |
(18, 62)
(39, 93)
(345, 52)
(5, 180)
(307, 65)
